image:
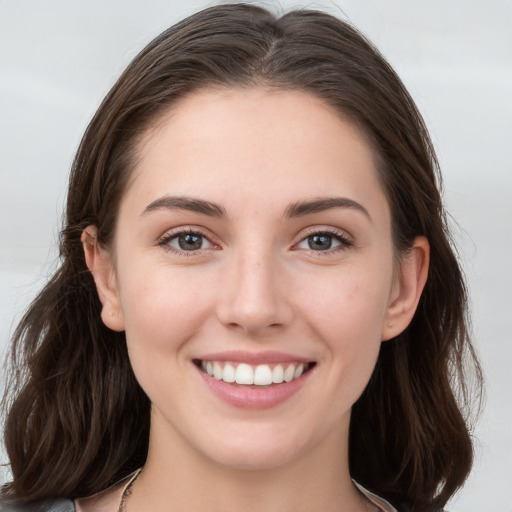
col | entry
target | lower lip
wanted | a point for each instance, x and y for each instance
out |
(245, 397)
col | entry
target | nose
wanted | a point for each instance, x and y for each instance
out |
(254, 298)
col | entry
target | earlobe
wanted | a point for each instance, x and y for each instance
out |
(408, 288)
(100, 265)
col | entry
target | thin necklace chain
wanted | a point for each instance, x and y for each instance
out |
(127, 491)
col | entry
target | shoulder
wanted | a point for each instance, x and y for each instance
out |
(61, 505)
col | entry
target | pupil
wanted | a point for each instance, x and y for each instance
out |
(320, 242)
(190, 242)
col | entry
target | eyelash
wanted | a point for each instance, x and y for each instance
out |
(165, 241)
(344, 241)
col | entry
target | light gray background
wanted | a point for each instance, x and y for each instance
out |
(59, 57)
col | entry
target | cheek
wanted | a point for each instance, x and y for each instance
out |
(350, 305)
(162, 308)
(348, 314)
(163, 312)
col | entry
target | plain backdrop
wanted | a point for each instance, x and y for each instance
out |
(58, 58)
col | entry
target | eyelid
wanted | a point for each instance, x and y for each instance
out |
(321, 228)
(345, 240)
(163, 241)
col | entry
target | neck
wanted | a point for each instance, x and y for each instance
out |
(178, 479)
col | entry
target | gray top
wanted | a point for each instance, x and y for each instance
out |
(39, 506)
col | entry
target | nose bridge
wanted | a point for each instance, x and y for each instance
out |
(254, 300)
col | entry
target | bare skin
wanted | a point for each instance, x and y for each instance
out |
(263, 273)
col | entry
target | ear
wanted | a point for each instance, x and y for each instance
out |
(406, 292)
(100, 265)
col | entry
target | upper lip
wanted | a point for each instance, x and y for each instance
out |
(269, 356)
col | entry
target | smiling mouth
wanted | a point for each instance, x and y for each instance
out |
(254, 375)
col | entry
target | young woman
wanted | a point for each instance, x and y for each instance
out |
(258, 306)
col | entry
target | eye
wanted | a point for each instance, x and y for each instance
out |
(186, 241)
(323, 241)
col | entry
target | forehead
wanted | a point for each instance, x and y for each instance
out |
(276, 144)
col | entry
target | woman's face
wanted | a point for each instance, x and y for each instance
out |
(253, 243)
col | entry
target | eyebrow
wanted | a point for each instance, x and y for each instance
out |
(298, 209)
(185, 203)
(321, 204)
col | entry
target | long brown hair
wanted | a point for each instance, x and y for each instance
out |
(76, 418)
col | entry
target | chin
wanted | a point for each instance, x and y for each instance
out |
(261, 449)
(254, 459)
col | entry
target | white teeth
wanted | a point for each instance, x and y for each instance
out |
(217, 371)
(244, 374)
(298, 371)
(260, 375)
(289, 372)
(278, 374)
(229, 373)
